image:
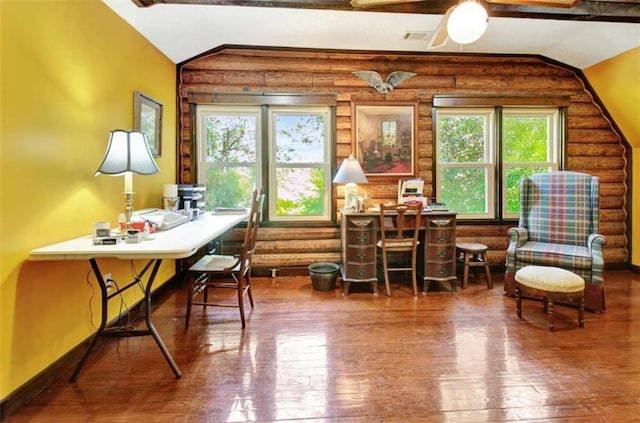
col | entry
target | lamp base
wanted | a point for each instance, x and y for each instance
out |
(351, 197)
(128, 210)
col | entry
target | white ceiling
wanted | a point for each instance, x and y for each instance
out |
(184, 31)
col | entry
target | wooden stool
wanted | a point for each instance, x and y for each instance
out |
(552, 284)
(471, 254)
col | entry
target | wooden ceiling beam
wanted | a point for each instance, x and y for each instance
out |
(585, 10)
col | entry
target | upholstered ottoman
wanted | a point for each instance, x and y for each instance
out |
(553, 285)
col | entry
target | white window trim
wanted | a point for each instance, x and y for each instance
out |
(202, 111)
(325, 163)
(553, 153)
(489, 163)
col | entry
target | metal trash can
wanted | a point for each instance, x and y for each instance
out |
(324, 275)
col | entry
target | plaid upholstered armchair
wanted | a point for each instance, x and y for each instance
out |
(559, 221)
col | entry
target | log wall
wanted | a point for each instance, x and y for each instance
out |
(593, 146)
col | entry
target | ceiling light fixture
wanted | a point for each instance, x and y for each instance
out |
(467, 22)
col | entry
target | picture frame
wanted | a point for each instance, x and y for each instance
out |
(147, 118)
(384, 136)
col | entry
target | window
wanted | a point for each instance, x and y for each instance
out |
(482, 153)
(228, 153)
(530, 144)
(289, 156)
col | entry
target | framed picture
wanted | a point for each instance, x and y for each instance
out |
(147, 118)
(384, 134)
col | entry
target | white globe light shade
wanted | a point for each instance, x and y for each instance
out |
(467, 22)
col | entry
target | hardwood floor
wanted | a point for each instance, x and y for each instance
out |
(313, 356)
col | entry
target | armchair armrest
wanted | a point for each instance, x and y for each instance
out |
(517, 237)
(595, 243)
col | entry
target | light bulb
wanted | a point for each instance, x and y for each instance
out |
(467, 22)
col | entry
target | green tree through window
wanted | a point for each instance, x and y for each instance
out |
(476, 162)
(290, 158)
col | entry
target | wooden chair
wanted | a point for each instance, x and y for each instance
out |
(226, 271)
(399, 229)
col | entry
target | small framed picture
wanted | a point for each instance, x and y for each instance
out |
(147, 118)
(384, 134)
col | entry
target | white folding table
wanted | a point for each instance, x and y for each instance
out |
(180, 242)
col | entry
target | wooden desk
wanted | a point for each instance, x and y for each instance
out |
(180, 242)
(359, 235)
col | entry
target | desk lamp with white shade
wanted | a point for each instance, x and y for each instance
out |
(128, 153)
(351, 174)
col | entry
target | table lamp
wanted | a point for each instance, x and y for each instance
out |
(351, 174)
(127, 152)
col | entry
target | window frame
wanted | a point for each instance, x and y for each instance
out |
(274, 165)
(202, 164)
(489, 163)
(553, 148)
(497, 190)
(264, 102)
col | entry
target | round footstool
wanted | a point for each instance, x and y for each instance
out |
(553, 285)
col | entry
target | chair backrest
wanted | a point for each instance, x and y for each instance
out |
(560, 207)
(251, 232)
(400, 223)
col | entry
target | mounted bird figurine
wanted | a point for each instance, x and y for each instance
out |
(385, 87)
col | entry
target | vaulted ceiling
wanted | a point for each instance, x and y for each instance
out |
(586, 34)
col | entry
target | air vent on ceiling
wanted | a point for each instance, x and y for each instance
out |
(418, 35)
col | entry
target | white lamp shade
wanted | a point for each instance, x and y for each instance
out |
(127, 151)
(467, 22)
(350, 172)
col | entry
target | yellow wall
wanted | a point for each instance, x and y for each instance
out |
(617, 83)
(68, 71)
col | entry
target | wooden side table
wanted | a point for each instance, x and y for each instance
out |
(473, 255)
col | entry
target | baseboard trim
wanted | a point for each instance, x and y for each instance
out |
(61, 367)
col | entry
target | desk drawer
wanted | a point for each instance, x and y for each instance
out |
(361, 222)
(360, 270)
(440, 236)
(435, 270)
(361, 254)
(361, 237)
(439, 253)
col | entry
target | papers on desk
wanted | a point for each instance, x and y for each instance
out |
(162, 220)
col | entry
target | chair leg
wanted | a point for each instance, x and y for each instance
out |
(205, 295)
(552, 325)
(518, 301)
(386, 274)
(414, 280)
(248, 288)
(240, 291)
(581, 311)
(465, 275)
(189, 301)
(487, 271)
